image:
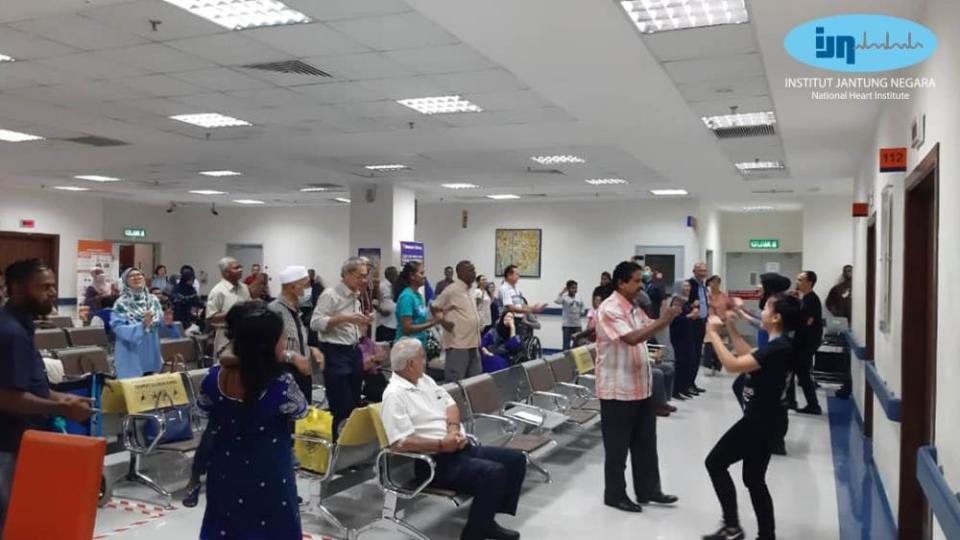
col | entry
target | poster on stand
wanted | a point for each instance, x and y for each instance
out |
(93, 254)
(411, 251)
(373, 255)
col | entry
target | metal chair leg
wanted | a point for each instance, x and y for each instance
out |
(389, 520)
(537, 467)
(135, 475)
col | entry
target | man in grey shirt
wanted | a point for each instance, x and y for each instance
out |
(572, 310)
(294, 281)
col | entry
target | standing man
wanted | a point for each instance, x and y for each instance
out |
(839, 298)
(510, 298)
(26, 401)
(701, 294)
(624, 387)
(602, 290)
(654, 290)
(462, 340)
(254, 272)
(294, 281)
(224, 295)
(571, 310)
(386, 307)
(808, 338)
(341, 322)
(445, 282)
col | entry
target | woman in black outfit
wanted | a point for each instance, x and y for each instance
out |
(753, 437)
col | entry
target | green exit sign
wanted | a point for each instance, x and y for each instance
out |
(135, 233)
(765, 243)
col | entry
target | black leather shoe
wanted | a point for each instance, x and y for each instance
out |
(626, 505)
(699, 390)
(810, 409)
(659, 498)
(779, 449)
(502, 533)
(680, 397)
(193, 496)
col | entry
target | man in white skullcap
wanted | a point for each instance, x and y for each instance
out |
(295, 282)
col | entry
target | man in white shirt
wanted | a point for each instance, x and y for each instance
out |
(386, 307)
(419, 416)
(510, 297)
(340, 321)
(224, 295)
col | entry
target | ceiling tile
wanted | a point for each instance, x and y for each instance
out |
(137, 108)
(508, 101)
(34, 72)
(24, 46)
(306, 40)
(362, 66)
(702, 42)
(328, 10)
(135, 17)
(222, 79)
(491, 80)
(214, 102)
(161, 86)
(272, 97)
(232, 49)
(338, 92)
(79, 32)
(284, 115)
(722, 106)
(89, 66)
(410, 87)
(717, 68)
(378, 109)
(156, 58)
(403, 31)
(712, 90)
(442, 59)
(277, 78)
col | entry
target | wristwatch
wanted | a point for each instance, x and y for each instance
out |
(288, 357)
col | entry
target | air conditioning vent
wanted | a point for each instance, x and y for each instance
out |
(532, 170)
(93, 140)
(744, 131)
(535, 196)
(290, 67)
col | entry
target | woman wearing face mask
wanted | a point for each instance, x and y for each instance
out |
(99, 290)
(135, 318)
(654, 290)
(185, 299)
(683, 341)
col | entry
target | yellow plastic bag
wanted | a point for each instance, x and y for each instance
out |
(313, 456)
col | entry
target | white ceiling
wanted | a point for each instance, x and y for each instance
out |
(553, 78)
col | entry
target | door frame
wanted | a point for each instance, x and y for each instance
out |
(918, 355)
(55, 263)
(870, 320)
(678, 252)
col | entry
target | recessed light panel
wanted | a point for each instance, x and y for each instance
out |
(503, 197)
(758, 208)
(248, 201)
(313, 189)
(747, 166)
(440, 105)
(668, 192)
(557, 160)
(211, 120)
(220, 174)
(5, 58)
(605, 181)
(207, 192)
(460, 186)
(16, 136)
(97, 178)
(342, 200)
(389, 167)
(651, 16)
(71, 188)
(242, 14)
(727, 121)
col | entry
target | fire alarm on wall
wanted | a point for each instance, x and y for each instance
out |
(27, 224)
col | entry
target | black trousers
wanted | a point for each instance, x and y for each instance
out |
(492, 475)
(343, 380)
(629, 427)
(699, 331)
(386, 334)
(802, 375)
(568, 332)
(750, 440)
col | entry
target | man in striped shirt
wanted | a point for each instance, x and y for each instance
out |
(623, 383)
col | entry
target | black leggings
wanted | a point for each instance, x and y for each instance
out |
(750, 440)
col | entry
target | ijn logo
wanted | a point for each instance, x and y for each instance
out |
(860, 43)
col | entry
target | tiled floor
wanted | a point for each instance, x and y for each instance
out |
(802, 484)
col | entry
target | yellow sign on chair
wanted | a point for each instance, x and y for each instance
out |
(583, 359)
(140, 394)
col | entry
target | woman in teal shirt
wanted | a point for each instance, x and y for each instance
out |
(413, 316)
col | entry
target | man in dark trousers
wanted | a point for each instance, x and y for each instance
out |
(808, 338)
(700, 294)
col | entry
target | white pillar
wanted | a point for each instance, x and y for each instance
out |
(381, 216)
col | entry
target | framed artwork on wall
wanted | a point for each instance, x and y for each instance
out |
(521, 247)
(886, 255)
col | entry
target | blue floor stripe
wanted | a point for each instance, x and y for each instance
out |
(864, 511)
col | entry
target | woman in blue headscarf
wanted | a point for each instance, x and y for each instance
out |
(136, 317)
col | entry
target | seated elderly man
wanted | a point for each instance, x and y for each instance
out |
(421, 417)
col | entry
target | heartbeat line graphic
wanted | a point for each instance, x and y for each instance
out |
(886, 45)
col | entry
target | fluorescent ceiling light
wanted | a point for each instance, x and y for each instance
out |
(652, 16)
(211, 120)
(504, 197)
(97, 178)
(757, 208)
(460, 186)
(207, 192)
(71, 188)
(248, 201)
(557, 160)
(241, 14)
(313, 189)
(664, 192)
(218, 174)
(747, 166)
(5, 58)
(726, 121)
(605, 181)
(342, 199)
(390, 167)
(16, 136)
(440, 105)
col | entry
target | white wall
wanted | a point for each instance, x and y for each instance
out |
(738, 228)
(827, 239)
(943, 126)
(709, 227)
(580, 240)
(316, 237)
(74, 217)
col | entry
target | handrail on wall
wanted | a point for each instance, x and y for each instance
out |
(858, 350)
(890, 404)
(944, 502)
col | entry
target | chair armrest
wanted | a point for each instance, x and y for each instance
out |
(132, 437)
(581, 391)
(526, 407)
(323, 390)
(509, 426)
(560, 401)
(386, 482)
(333, 451)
